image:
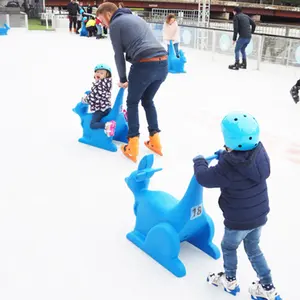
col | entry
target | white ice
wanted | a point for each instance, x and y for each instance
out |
(65, 209)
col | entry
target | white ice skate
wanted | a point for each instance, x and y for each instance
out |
(219, 279)
(259, 293)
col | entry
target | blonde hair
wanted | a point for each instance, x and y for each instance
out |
(106, 7)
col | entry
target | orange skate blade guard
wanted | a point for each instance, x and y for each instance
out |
(157, 151)
(133, 158)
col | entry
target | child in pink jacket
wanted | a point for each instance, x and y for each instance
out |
(171, 32)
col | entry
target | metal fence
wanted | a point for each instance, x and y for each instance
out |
(190, 18)
(274, 49)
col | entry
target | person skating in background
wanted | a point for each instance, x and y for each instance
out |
(99, 99)
(295, 91)
(171, 32)
(131, 35)
(99, 29)
(241, 27)
(80, 15)
(73, 9)
(91, 27)
(241, 174)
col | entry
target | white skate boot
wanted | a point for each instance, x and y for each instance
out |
(110, 128)
(219, 279)
(259, 293)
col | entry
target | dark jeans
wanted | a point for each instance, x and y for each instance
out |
(175, 48)
(97, 117)
(92, 30)
(230, 243)
(241, 46)
(144, 80)
(72, 21)
(78, 26)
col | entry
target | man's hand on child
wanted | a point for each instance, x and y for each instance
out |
(123, 85)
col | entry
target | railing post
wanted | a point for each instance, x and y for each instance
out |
(26, 21)
(7, 20)
(213, 44)
(261, 41)
(289, 52)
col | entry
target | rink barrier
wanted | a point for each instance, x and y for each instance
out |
(274, 49)
(19, 20)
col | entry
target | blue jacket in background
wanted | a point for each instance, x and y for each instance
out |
(241, 175)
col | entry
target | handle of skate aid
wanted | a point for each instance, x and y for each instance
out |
(209, 159)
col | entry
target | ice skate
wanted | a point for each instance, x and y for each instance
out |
(154, 144)
(235, 66)
(131, 150)
(295, 93)
(110, 128)
(219, 279)
(243, 65)
(257, 292)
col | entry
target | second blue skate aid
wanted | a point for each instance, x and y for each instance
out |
(97, 137)
(176, 64)
(163, 222)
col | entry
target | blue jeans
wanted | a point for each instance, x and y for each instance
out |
(241, 46)
(144, 80)
(99, 29)
(175, 48)
(97, 116)
(230, 243)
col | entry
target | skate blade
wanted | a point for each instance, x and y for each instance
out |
(157, 151)
(132, 158)
(260, 298)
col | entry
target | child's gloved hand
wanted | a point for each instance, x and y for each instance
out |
(218, 153)
(83, 99)
(199, 157)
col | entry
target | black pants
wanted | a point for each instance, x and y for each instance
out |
(78, 26)
(104, 30)
(72, 21)
(97, 117)
(92, 30)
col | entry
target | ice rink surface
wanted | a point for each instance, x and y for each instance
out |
(65, 209)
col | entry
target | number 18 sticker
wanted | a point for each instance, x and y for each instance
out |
(196, 212)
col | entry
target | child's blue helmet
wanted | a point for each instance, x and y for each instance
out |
(84, 19)
(103, 67)
(240, 131)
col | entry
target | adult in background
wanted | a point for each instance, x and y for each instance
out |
(241, 27)
(171, 32)
(73, 8)
(81, 11)
(131, 35)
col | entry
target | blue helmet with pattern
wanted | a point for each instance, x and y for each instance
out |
(240, 131)
(103, 67)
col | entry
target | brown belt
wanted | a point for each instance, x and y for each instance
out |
(157, 58)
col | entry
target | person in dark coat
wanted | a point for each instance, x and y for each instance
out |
(241, 27)
(295, 91)
(73, 8)
(241, 175)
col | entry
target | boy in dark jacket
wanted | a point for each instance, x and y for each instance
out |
(241, 27)
(72, 8)
(241, 174)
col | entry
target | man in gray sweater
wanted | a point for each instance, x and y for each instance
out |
(131, 35)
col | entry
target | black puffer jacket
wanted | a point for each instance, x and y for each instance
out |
(241, 26)
(73, 8)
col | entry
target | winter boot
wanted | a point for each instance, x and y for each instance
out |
(235, 66)
(110, 128)
(243, 65)
(230, 286)
(294, 93)
(154, 143)
(259, 292)
(131, 150)
(74, 30)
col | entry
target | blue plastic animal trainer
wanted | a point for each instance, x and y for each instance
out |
(163, 222)
(97, 137)
(4, 29)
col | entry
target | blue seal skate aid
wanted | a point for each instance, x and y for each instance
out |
(4, 29)
(83, 30)
(163, 222)
(176, 65)
(97, 137)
